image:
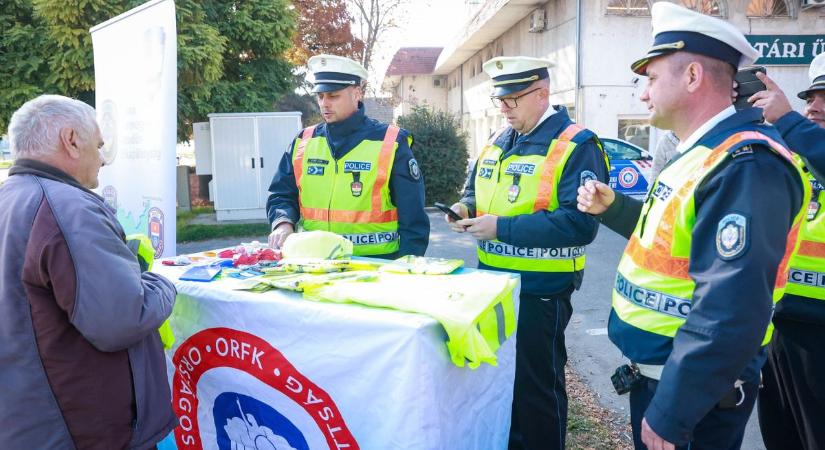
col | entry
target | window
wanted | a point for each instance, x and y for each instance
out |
(635, 131)
(769, 8)
(709, 7)
(628, 7)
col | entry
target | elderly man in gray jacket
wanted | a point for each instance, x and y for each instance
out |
(81, 361)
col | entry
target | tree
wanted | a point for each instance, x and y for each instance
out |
(230, 53)
(374, 18)
(324, 26)
(441, 150)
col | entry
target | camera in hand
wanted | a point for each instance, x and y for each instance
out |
(625, 378)
(747, 85)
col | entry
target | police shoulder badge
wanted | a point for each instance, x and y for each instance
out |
(415, 172)
(732, 236)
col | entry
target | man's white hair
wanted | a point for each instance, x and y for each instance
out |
(34, 129)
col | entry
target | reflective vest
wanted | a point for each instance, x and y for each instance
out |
(141, 247)
(653, 290)
(524, 184)
(807, 273)
(348, 196)
(476, 308)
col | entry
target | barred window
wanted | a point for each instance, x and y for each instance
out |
(769, 8)
(628, 7)
(709, 7)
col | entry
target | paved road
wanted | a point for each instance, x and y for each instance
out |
(591, 354)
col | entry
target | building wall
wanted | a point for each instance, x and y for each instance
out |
(556, 43)
(609, 90)
(420, 90)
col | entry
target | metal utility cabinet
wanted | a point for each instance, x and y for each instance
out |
(246, 149)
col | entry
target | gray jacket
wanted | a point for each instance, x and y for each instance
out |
(81, 361)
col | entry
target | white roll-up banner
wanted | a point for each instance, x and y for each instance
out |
(135, 56)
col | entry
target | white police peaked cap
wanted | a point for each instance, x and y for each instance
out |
(513, 73)
(676, 28)
(333, 73)
(817, 74)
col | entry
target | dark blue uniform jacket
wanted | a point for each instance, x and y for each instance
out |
(406, 192)
(732, 303)
(808, 140)
(563, 227)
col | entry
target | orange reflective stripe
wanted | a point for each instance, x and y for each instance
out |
(554, 155)
(325, 215)
(659, 258)
(384, 165)
(298, 158)
(782, 270)
(811, 248)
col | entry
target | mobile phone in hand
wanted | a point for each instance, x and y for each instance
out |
(448, 211)
(747, 85)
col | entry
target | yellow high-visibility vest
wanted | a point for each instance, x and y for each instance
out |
(653, 290)
(524, 184)
(349, 196)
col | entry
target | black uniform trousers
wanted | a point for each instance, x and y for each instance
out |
(539, 419)
(720, 429)
(792, 399)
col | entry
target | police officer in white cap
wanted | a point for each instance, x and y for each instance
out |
(792, 400)
(708, 248)
(521, 196)
(351, 174)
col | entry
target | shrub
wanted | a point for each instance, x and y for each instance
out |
(440, 146)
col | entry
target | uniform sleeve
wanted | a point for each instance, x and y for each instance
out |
(731, 305)
(282, 204)
(468, 197)
(97, 281)
(565, 226)
(407, 194)
(622, 215)
(805, 138)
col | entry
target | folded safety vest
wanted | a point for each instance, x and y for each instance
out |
(476, 309)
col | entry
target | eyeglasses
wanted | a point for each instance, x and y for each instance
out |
(511, 102)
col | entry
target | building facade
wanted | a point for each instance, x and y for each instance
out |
(593, 43)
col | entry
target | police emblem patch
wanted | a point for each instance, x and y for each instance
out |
(415, 172)
(356, 187)
(586, 176)
(732, 236)
(513, 192)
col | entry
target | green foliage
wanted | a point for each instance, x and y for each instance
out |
(230, 53)
(441, 150)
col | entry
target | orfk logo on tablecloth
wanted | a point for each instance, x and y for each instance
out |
(239, 417)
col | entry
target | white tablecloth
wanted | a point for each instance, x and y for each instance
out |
(273, 369)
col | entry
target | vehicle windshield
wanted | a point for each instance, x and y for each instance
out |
(619, 150)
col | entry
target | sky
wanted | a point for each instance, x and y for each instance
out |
(428, 23)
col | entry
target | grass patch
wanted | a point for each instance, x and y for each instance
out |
(196, 232)
(5, 164)
(190, 233)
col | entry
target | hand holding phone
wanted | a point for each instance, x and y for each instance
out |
(746, 85)
(448, 211)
